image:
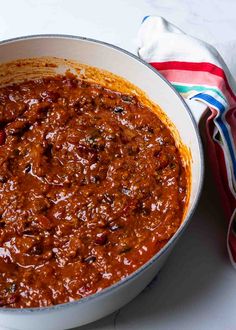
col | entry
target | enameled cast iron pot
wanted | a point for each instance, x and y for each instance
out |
(124, 64)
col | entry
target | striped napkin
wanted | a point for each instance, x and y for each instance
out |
(198, 72)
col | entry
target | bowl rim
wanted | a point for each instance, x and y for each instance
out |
(187, 218)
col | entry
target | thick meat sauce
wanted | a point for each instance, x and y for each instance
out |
(92, 185)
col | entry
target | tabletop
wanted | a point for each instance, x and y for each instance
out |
(197, 287)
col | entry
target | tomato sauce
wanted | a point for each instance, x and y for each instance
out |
(92, 185)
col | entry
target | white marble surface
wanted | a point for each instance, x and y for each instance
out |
(197, 288)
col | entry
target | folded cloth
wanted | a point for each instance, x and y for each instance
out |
(198, 72)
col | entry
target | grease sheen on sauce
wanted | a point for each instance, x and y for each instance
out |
(91, 186)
